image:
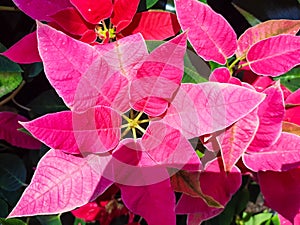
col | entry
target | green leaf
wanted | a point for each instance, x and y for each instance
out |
(13, 172)
(214, 65)
(275, 220)
(79, 222)
(4, 221)
(46, 102)
(3, 208)
(9, 81)
(252, 20)
(7, 65)
(290, 79)
(203, 1)
(2, 48)
(35, 69)
(195, 69)
(237, 204)
(259, 218)
(11, 197)
(150, 3)
(49, 220)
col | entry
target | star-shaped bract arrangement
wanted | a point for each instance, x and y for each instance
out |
(89, 146)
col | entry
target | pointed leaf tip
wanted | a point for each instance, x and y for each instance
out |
(210, 34)
(274, 56)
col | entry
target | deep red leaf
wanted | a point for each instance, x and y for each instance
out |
(123, 13)
(94, 11)
(153, 25)
(24, 51)
(10, 133)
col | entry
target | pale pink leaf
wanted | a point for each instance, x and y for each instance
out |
(204, 108)
(123, 12)
(10, 133)
(94, 11)
(209, 33)
(96, 130)
(101, 85)
(65, 60)
(270, 113)
(275, 55)
(281, 192)
(265, 30)
(41, 10)
(61, 183)
(153, 25)
(215, 182)
(145, 156)
(163, 69)
(24, 51)
(155, 203)
(177, 150)
(281, 156)
(237, 138)
(82, 82)
(125, 55)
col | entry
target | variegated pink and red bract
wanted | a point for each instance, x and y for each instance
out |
(131, 120)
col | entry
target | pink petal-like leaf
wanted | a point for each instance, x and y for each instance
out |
(177, 151)
(87, 81)
(209, 33)
(281, 192)
(125, 54)
(153, 25)
(204, 108)
(275, 55)
(155, 203)
(145, 156)
(237, 138)
(24, 51)
(270, 113)
(41, 10)
(281, 156)
(292, 115)
(61, 182)
(94, 11)
(101, 85)
(265, 30)
(65, 60)
(96, 130)
(71, 21)
(123, 13)
(9, 131)
(163, 69)
(221, 75)
(216, 183)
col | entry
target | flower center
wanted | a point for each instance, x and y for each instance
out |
(104, 33)
(134, 124)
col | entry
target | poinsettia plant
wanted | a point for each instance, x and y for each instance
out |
(143, 128)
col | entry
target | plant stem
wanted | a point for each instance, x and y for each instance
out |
(9, 9)
(13, 94)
